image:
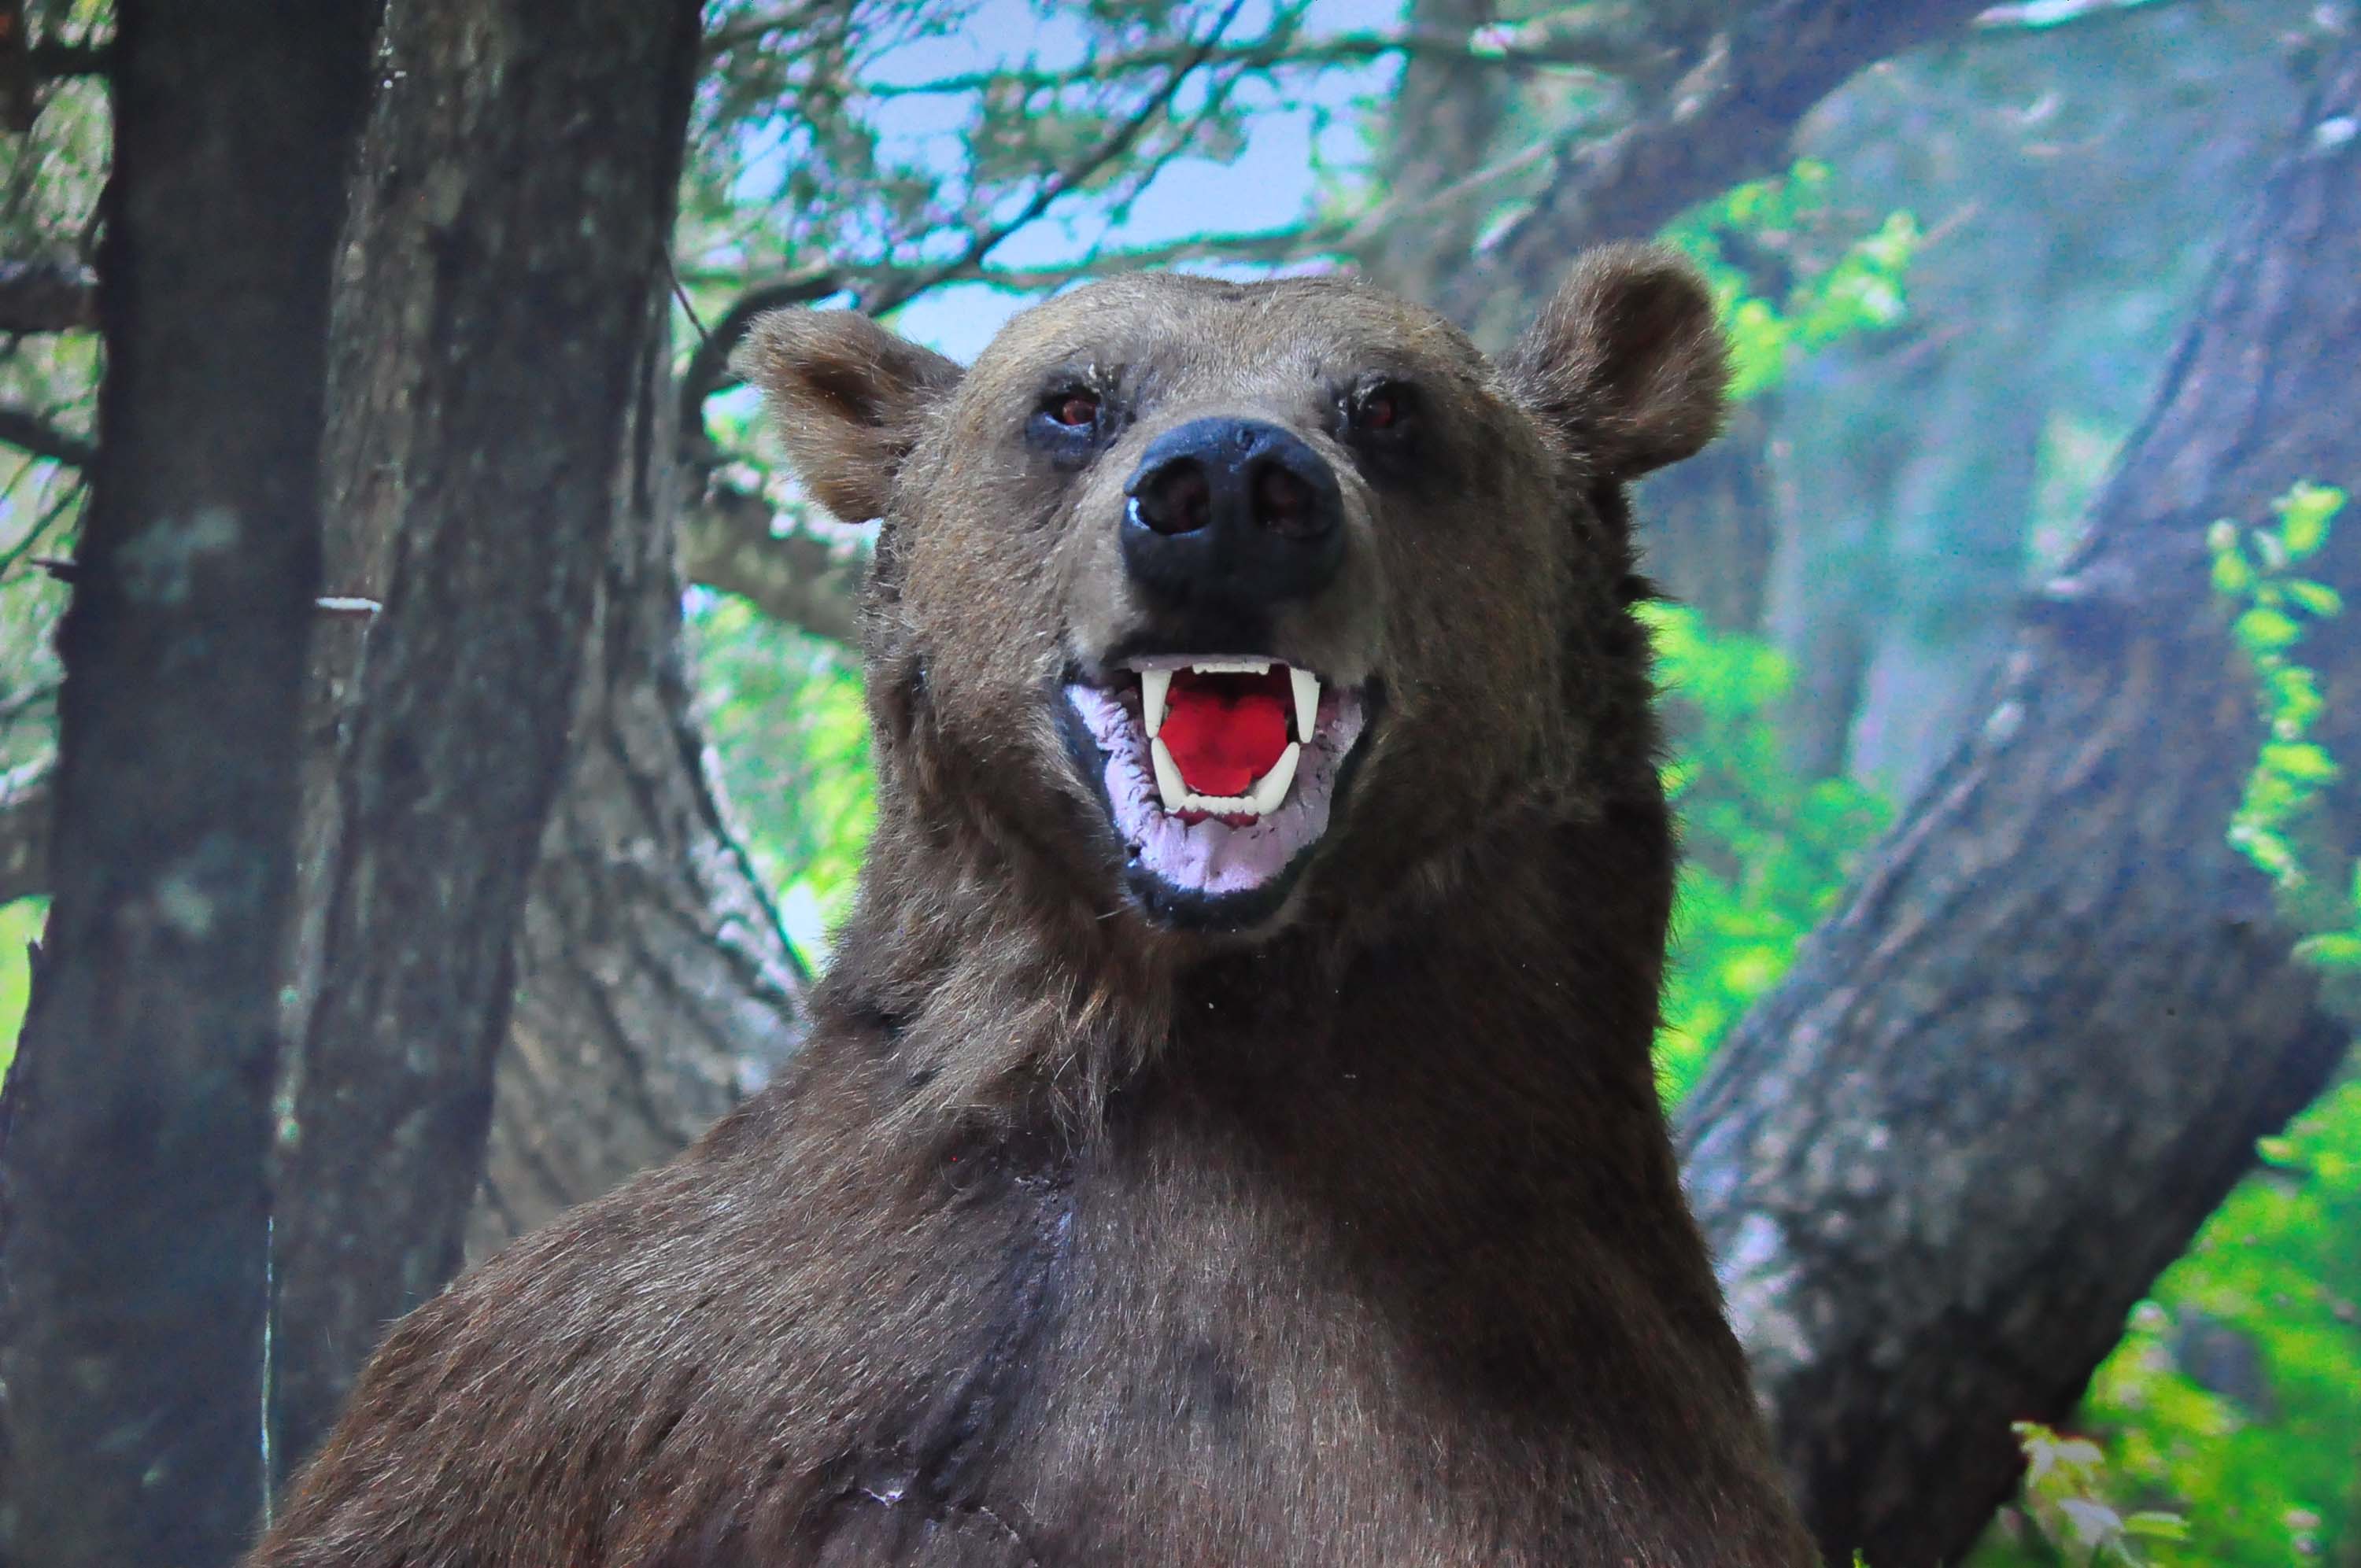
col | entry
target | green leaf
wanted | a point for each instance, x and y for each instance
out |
(2267, 631)
(2154, 1524)
(2302, 761)
(2332, 950)
(2304, 513)
(2317, 597)
(2232, 574)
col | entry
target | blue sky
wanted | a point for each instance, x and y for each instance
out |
(1270, 185)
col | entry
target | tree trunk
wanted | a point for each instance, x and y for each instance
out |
(654, 985)
(524, 157)
(134, 1165)
(2001, 1089)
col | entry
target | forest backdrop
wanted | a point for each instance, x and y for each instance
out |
(459, 830)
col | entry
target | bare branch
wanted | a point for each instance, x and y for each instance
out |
(708, 371)
(1726, 120)
(728, 543)
(47, 296)
(761, 29)
(878, 292)
(29, 432)
(1579, 51)
(1296, 242)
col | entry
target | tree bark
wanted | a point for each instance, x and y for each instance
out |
(138, 1115)
(2003, 1088)
(656, 986)
(526, 155)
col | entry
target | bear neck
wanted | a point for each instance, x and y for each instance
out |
(1527, 960)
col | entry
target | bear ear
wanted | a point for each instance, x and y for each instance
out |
(1626, 361)
(849, 398)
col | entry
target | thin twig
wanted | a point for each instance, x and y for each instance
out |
(66, 500)
(707, 370)
(1341, 48)
(723, 39)
(1290, 244)
(680, 293)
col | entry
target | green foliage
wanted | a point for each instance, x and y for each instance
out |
(1767, 852)
(20, 928)
(1779, 237)
(2254, 569)
(2267, 1474)
(784, 714)
(2068, 1514)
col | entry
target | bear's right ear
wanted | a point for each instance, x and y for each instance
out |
(848, 399)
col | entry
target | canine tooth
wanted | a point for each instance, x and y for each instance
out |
(1153, 684)
(1232, 666)
(1168, 777)
(1266, 797)
(1307, 702)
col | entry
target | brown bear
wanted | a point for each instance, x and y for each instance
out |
(1227, 1135)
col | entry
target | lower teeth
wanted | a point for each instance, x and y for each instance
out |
(1267, 796)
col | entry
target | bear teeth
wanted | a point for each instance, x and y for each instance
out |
(1156, 684)
(1268, 794)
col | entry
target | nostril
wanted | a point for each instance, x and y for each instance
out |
(1176, 500)
(1286, 504)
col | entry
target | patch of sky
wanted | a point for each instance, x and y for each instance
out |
(1297, 141)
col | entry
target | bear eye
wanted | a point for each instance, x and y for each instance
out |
(1073, 409)
(1384, 407)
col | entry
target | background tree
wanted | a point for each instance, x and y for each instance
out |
(2036, 1046)
(135, 1165)
(517, 197)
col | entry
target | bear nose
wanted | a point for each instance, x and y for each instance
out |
(1237, 510)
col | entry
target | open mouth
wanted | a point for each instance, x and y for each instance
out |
(1219, 772)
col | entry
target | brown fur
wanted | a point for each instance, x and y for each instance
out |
(1074, 1239)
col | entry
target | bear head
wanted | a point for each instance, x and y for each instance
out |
(1216, 605)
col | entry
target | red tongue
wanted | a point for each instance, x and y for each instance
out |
(1225, 731)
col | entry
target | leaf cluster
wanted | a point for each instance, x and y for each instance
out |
(1792, 273)
(1767, 852)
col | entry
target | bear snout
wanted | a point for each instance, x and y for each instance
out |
(1239, 513)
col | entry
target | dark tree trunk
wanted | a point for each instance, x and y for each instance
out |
(2002, 1089)
(654, 985)
(525, 155)
(138, 1116)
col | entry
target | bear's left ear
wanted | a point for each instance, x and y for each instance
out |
(849, 398)
(1626, 361)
